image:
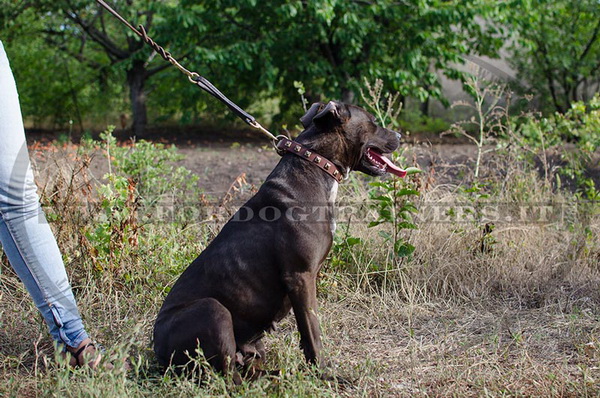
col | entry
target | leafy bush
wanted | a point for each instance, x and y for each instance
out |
(150, 166)
(580, 124)
(415, 122)
(579, 127)
(115, 233)
(142, 185)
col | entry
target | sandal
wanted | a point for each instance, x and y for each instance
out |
(80, 355)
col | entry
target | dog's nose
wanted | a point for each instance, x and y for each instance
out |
(398, 135)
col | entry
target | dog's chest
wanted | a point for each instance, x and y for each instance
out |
(331, 201)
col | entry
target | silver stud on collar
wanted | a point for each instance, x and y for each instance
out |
(327, 166)
(307, 154)
(288, 144)
(297, 148)
(318, 160)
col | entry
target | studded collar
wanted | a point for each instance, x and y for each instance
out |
(286, 145)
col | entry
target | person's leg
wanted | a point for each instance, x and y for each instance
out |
(25, 234)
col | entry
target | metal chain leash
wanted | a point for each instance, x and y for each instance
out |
(193, 77)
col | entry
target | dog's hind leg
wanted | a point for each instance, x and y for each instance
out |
(205, 323)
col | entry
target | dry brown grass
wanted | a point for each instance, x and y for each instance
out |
(520, 318)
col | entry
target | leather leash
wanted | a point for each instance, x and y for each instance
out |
(193, 77)
(286, 145)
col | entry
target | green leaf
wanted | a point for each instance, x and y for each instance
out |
(353, 241)
(385, 235)
(403, 249)
(406, 225)
(407, 192)
(413, 170)
(383, 198)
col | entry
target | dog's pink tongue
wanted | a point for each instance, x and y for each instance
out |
(391, 167)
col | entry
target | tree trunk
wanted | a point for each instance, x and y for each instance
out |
(347, 96)
(425, 107)
(136, 78)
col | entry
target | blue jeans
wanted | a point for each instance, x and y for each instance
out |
(25, 234)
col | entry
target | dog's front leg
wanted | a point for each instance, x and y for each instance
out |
(303, 296)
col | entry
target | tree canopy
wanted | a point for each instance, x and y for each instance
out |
(332, 45)
(556, 49)
(256, 50)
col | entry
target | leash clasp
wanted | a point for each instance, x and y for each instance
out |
(276, 141)
(258, 126)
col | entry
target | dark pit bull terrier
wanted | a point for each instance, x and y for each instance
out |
(266, 258)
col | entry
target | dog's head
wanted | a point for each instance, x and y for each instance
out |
(350, 137)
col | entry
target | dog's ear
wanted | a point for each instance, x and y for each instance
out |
(320, 113)
(333, 111)
(307, 119)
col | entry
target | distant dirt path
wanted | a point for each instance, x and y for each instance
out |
(219, 165)
(219, 162)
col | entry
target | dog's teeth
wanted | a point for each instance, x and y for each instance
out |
(375, 162)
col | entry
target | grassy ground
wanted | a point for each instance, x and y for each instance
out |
(509, 311)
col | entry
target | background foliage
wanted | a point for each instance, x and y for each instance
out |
(556, 49)
(254, 51)
(73, 61)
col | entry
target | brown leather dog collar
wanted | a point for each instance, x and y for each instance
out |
(286, 145)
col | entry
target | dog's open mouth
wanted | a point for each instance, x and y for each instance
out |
(382, 163)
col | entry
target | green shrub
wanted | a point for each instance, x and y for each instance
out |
(414, 121)
(579, 127)
(143, 186)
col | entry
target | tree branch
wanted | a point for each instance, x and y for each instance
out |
(153, 71)
(96, 35)
(590, 43)
(548, 73)
(79, 57)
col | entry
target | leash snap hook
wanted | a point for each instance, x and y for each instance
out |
(193, 77)
(276, 141)
(258, 126)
